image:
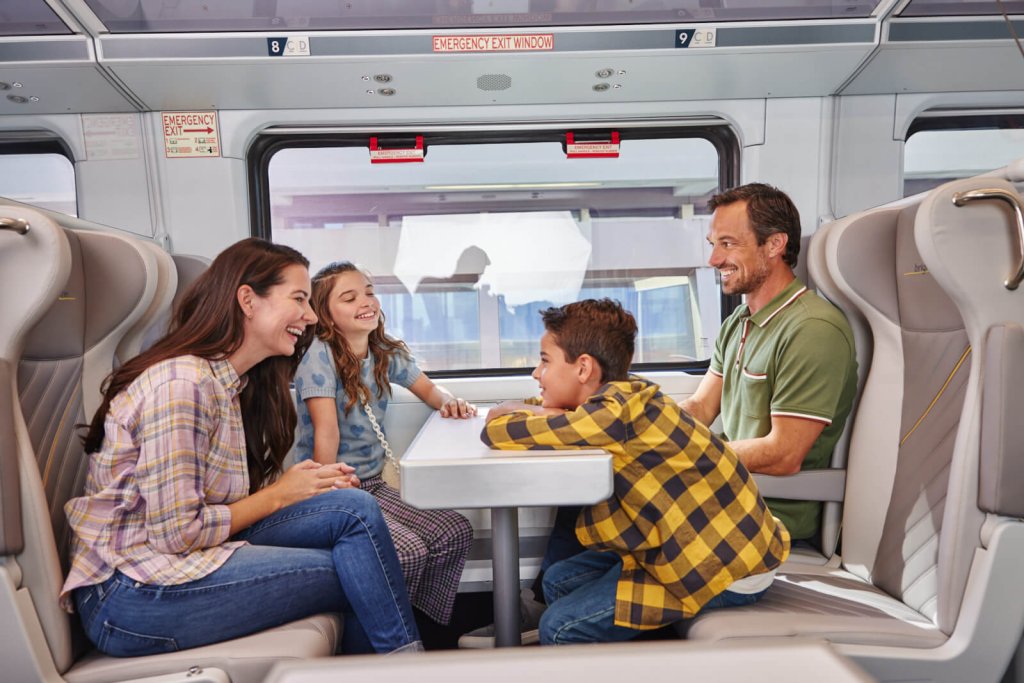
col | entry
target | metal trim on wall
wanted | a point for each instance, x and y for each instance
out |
(45, 49)
(397, 43)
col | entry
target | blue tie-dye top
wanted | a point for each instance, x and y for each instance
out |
(317, 377)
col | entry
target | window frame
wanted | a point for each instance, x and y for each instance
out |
(273, 139)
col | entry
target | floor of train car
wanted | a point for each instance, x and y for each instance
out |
(473, 610)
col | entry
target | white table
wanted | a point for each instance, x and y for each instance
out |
(447, 466)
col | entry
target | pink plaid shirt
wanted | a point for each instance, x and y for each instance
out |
(173, 458)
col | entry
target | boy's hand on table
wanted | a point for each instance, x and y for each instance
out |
(506, 407)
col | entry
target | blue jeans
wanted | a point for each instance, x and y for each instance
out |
(580, 593)
(329, 553)
(562, 544)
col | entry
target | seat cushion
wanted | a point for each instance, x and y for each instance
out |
(244, 659)
(820, 602)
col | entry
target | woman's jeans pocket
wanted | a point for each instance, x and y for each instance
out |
(114, 626)
(120, 642)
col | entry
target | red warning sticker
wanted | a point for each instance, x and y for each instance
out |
(608, 149)
(508, 42)
(396, 155)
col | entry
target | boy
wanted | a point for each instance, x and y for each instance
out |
(685, 528)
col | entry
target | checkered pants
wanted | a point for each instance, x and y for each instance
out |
(432, 546)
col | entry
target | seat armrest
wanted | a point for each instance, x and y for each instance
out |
(827, 485)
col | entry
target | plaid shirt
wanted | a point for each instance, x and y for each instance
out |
(685, 515)
(173, 458)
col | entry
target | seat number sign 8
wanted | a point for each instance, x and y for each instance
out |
(696, 37)
(288, 46)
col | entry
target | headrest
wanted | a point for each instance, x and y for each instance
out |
(153, 323)
(112, 283)
(924, 305)
(109, 280)
(972, 249)
(864, 252)
(189, 268)
(33, 269)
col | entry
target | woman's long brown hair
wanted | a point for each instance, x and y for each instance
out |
(209, 323)
(382, 346)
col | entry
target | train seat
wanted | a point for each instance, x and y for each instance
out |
(189, 268)
(186, 269)
(66, 355)
(931, 537)
(153, 322)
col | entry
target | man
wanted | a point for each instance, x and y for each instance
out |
(783, 375)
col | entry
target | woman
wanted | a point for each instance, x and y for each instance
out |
(344, 383)
(188, 532)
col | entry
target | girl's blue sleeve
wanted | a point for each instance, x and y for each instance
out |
(403, 370)
(316, 376)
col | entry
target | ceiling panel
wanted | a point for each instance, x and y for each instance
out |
(55, 75)
(630, 64)
(944, 54)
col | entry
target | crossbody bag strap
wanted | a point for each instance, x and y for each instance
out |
(380, 435)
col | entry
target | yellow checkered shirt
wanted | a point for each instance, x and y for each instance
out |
(685, 515)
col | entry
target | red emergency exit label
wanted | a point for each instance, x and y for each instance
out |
(191, 134)
(396, 155)
(608, 149)
(506, 42)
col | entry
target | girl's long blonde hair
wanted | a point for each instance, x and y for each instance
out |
(382, 346)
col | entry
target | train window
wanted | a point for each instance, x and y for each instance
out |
(946, 8)
(45, 179)
(944, 148)
(468, 245)
(319, 15)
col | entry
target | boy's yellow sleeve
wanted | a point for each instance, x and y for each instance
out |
(594, 424)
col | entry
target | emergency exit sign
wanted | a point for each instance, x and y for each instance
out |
(191, 134)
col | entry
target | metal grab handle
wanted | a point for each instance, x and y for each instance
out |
(1011, 198)
(18, 225)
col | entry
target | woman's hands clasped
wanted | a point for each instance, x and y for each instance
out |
(308, 478)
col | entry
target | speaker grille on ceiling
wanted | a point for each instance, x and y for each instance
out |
(494, 82)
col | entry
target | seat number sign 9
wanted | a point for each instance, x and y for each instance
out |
(696, 37)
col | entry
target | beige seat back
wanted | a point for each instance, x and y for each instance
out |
(67, 355)
(189, 268)
(153, 322)
(35, 260)
(185, 271)
(820, 269)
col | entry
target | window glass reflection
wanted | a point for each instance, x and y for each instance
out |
(469, 245)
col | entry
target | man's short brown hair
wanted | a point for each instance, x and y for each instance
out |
(600, 328)
(770, 210)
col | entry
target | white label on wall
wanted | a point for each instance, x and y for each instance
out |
(110, 136)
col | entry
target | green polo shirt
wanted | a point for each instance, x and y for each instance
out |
(794, 357)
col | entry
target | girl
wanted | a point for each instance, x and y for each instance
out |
(347, 372)
(188, 532)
